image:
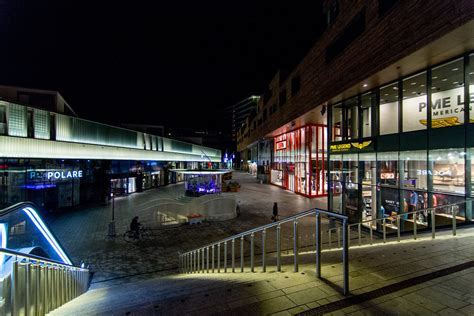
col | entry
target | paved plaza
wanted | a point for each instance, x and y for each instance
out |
(83, 233)
(422, 277)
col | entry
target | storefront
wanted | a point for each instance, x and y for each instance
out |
(299, 162)
(389, 155)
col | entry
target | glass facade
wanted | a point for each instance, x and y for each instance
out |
(377, 172)
(299, 160)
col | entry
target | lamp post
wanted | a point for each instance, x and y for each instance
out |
(112, 222)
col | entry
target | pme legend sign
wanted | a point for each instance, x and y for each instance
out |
(351, 147)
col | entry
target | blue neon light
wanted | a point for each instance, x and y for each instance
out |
(38, 186)
(46, 233)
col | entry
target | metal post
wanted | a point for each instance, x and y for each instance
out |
(318, 245)
(225, 256)
(251, 252)
(329, 238)
(15, 286)
(295, 245)
(349, 235)
(398, 228)
(233, 255)
(218, 258)
(345, 257)
(278, 231)
(359, 231)
(207, 259)
(213, 250)
(384, 229)
(338, 230)
(371, 233)
(198, 255)
(242, 254)
(454, 220)
(433, 224)
(203, 265)
(414, 226)
(27, 300)
(264, 264)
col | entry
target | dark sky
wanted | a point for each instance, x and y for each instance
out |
(174, 63)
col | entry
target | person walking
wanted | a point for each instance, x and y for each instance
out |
(275, 216)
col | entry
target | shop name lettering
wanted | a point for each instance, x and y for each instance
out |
(443, 105)
(435, 173)
(56, 175)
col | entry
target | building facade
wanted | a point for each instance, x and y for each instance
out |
(393, 83)
(59, 161)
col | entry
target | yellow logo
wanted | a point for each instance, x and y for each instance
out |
(362, 145)
(442, 122)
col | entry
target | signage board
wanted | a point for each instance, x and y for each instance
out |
(352, 147)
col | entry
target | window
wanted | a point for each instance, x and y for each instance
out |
(295, 85)
(388, 165)
(350, 33)
(388, 109)
(414, 103)
(337, 122)
(471, 87)
(447, 94)
(332, 12)
(351, 107)
(366, 114)
(386, 5)
(448, 170)
(414, 170)
(282, 97)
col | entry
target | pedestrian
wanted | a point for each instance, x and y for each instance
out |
(275, 216)
(135, 227)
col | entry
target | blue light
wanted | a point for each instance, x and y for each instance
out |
(38, 186)
(46, 233)
(3, 241)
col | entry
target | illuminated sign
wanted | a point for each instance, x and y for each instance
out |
(350, 146)
(55, 174)
(281, 145)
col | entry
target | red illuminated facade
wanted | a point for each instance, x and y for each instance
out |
(299, 163)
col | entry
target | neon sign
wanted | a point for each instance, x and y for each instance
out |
(55, 174)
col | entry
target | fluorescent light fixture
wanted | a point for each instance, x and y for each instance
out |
(434, 77)
(413, 83)
(444, 79)
(46, 233)
(364, 85)
(455, 69)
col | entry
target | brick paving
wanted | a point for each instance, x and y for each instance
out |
(83, 233)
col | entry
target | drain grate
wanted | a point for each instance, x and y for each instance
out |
(358, 299)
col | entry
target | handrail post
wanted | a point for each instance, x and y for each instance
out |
(345, 258)
(359, 230)
(278, 231)
(252, 239)
(218, 258)
(15, 286)
(225, 256)
(242, 254)
(207, 258)
(198, 263)
(233, 255)
(295, 245)
(213, 256)
(203, 257)
(454, 220)
(329, 238)
(318, 244)
(371, 232)
(398, 228)
(264, 264)
(433, 224)
(384, 229)
(349, 236)
(414, 225)
(338, 231)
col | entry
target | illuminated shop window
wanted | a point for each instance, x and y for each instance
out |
(388, 164)
(351, 108)
(337, 122)
(414, 170)
(366, 114)
(471, 87)
(388, 119)
(447, 95)
(448, 170)
(414, 103)
(369, 188)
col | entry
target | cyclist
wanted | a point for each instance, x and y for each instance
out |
(135, 227)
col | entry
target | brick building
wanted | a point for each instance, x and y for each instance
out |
(371, 77)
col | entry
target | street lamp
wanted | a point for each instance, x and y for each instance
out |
(112, 222)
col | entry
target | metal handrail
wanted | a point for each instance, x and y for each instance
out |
(258, 229)
(38, 258)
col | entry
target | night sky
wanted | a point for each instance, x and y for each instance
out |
(174, 64)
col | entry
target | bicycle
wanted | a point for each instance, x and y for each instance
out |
(143, 234)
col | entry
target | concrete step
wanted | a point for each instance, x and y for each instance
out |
(288, 292)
